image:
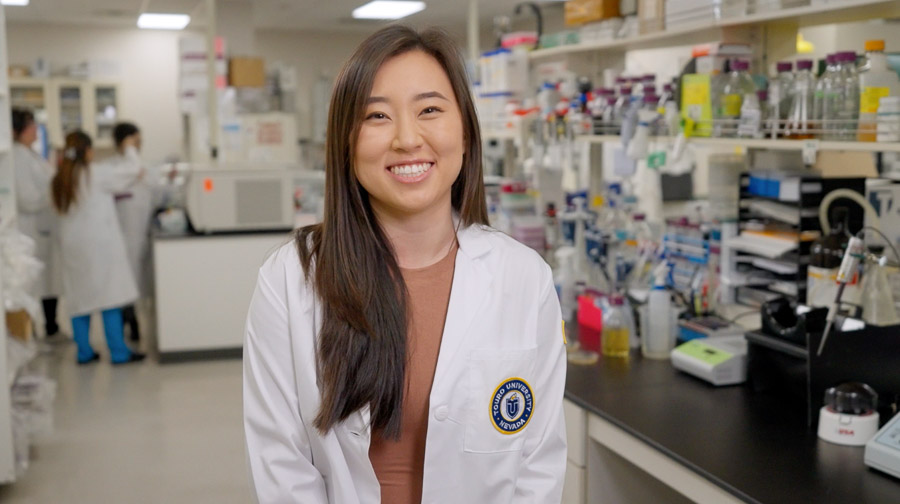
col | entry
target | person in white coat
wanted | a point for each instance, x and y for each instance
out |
(134, 207)
(35, 217)
(401, 350)
(96, 273)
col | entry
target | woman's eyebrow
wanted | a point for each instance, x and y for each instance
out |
(418, 97)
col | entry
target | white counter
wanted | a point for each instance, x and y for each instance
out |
(203, 288)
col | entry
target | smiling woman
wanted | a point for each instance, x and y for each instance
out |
(377, 343)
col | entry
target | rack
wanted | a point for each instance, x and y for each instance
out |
(810, 15)
(810, 191)
(769, 144)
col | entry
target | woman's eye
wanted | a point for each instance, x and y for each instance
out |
(431, 110)
(376, 115)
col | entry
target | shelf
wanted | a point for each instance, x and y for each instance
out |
(809, 15)
(753, 143)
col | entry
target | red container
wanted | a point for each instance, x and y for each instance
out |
(590, 323)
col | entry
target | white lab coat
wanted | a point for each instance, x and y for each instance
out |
(134, 208)
(503, 321)
(35, 217)
(96, 273)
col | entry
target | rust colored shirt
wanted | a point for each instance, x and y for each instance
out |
(399, 465)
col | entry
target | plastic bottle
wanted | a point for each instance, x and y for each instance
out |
(847, 109)
(800, 118)
(751, 121)
(736, 86)
(564, 279)
(826, 96)
(780, 90)
(878, 300)
(876, 81)
(656, 341)
(615, 339)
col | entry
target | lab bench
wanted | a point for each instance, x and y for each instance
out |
(203, 288)
(641, 431)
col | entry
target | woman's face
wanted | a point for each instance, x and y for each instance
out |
(411, 143)
(29, 134)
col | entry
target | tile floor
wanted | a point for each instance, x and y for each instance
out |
(142, 433)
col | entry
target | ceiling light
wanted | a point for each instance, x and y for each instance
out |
(384, 9)
(163, 21)
(14, 2)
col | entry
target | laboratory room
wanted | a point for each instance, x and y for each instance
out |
(450, 251)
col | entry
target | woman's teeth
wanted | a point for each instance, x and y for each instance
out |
(410, 170)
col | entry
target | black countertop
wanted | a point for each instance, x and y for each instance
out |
(756, 446)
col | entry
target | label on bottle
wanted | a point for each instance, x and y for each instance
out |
(731, 105)
(868, 99)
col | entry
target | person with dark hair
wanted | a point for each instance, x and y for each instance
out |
(96, 274)
(402, 351)
(134, 207)
(34, 215)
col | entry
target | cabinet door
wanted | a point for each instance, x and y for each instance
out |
(574, 485)
(105, 112)
(70, 96)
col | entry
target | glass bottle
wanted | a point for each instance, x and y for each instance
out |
(825, 258)
(826, 96)
(780, 91)
(847, 107)
(615, 337)
(728, 108)
(800, 118)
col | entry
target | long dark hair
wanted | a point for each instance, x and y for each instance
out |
(349, 259)
(68, 175)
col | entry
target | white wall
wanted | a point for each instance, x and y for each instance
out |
(147, 64)
(851, 36)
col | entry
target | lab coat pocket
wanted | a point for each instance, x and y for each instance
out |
(500, 399)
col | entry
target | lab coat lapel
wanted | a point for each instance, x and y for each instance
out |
(471, 286)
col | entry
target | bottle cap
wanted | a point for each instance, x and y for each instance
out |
(785, 66)
(740, 65)
(832, 58)
(847, 56)
(667, 87)
(804, 64)
(874, 45)
(626, 90)
(762, 95)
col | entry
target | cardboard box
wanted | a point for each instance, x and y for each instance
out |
(836, 164)
(18, 324)
(246, 72)
(588, 11)
(651, 15)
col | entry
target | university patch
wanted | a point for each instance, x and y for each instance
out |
(512, 406)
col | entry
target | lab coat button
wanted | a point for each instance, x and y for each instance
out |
(440, 413)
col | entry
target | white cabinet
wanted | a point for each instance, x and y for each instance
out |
(574, 489)
(574, 485)
(64, 105)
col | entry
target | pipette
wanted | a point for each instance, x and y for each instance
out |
(854, 253)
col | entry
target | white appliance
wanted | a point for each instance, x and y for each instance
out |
(223, 198)
(720, 361)
(883, 450)
(849, 416)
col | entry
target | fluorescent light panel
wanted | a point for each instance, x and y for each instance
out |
(20, 3)
(163, 21)
(385, 9)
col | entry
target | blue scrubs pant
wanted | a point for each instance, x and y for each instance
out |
(115, 339)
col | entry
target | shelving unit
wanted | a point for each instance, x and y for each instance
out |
(811, 192)
(811, 15)
(754, 143)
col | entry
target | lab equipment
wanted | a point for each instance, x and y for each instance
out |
(850, 262)
(801, 114)
(615, 338)
(728, 108)
(849, 416)
(883, 450)
(719, 361)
